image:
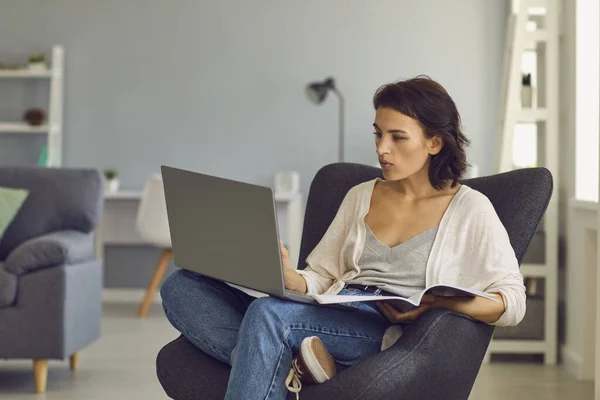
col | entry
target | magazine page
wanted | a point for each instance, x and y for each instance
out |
(403, 303)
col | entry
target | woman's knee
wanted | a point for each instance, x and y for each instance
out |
(259, 309)
(271, 308)
(171, 286)
(182, 296)
(264, 315)
(265, 305)
(178, 286)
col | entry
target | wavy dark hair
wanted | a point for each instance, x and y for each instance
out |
(428, 102)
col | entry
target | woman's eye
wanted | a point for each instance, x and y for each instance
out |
(377, 134)
(398, 138)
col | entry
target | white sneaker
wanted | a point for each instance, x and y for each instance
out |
(312, 365)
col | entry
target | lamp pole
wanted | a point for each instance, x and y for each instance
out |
(340, 124)
(317, 92)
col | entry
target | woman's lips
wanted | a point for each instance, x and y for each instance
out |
(385, 165)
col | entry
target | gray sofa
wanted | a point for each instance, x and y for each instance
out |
(50, 280)
(439, 355)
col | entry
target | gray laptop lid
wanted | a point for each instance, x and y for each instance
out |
(224, 229)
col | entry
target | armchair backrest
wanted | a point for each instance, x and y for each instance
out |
(519, 197)
(59, 199)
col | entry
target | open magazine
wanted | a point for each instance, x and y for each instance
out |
(404, 303)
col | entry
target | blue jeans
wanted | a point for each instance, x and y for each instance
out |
(266, 332)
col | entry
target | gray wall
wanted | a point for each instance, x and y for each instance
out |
(217, 86)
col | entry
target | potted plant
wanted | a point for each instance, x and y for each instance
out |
(36, 62)
(111, 184)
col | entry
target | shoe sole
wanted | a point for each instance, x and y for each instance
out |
(310, 359)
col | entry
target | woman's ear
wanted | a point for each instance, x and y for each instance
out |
(435, 145)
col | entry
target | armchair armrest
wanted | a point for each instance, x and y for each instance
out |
(437, 358)
(57, 248)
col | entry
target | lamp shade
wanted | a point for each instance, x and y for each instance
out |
(317, 91)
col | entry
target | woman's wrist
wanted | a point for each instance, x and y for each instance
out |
(450, 303)
(479, 308)
(294, 281)
(438, 302)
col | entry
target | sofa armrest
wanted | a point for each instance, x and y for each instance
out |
(57, 312)
(53, 249)
(437, 358)
(8, 287)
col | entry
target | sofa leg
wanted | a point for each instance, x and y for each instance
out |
(40, 374)
(74, 361)
(157, 278)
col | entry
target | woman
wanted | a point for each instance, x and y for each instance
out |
(415, 228)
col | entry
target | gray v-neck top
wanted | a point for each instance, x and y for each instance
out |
(399, 269)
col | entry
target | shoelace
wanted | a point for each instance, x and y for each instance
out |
(293, 382)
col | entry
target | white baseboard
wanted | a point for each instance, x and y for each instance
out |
(572, 361)
(114, 295)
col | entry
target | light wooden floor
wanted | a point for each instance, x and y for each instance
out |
(121, 365)
(522, 381)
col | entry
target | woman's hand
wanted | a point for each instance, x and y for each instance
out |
(285, 256)
(395, 316)
(293, 280)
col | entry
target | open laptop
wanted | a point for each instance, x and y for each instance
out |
(226, 230)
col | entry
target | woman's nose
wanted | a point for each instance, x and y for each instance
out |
(382, 147)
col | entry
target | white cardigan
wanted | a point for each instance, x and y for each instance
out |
(471, 250)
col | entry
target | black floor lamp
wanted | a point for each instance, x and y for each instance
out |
(317, 92)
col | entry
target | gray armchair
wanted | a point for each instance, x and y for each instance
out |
(50, 281)
(438, 356)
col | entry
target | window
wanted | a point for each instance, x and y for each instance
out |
(587, 93)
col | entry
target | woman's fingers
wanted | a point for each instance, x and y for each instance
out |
(285, 256)
(284, 250)
(399, 316)
(395, 316)
(389, 311)
(427, 299)
(382, 307)
(409, 316)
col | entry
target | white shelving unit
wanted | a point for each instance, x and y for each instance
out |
(54, 124)
(534, 26)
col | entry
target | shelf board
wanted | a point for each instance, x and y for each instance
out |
(586, 205)
(532, 38)
(534, 270)
(25, 73)
(532, 115)
(18, 127)
(124, 195)
(516, 346)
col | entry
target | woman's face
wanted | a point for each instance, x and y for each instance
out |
(401, 144)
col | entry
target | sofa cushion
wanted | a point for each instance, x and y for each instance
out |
(57, 248)
(59, 199)
(8, 287)
(11, 201)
